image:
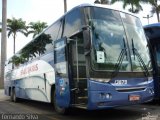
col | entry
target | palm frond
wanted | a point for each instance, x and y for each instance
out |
(24, 32)
(135, 4)
(34, 35)
(30, 32)
(37, 27)
(114, 1)
(9, 33)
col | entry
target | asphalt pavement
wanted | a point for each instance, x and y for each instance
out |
(33, 110)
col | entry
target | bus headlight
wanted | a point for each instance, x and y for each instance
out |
(108, 96)
(105, 95)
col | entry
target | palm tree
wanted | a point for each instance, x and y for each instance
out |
(14, 26)
(101, 2)
(155, 8)
(135, 4)
(37, 27)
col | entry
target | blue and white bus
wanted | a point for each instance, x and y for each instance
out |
(153, 33)
(92, 58)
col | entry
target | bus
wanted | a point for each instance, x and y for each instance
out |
(93, 57)
(153, 33)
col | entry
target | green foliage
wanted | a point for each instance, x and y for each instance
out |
(14, 26)
(155, 8)
(35, 48)
(16, 60)
(36, 27)
(101, 2)
(40, 43)
(135, 4)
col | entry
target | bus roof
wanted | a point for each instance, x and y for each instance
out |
(89, 5)
(102, 6)
(113, 8)
(152, 25)
(152, 31)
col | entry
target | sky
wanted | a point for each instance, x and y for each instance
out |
(49, 11)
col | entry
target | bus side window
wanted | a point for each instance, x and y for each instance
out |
(72, 24)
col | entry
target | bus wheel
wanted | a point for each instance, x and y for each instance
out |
(13, 96)
(57, 108)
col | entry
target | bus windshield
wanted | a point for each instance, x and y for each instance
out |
(112, 33)
(137, 42)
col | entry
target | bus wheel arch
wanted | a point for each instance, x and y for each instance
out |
(57, 108)
(52, 93)
(9, 91)
(13, 95)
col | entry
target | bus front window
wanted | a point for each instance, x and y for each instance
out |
(109, 41)
(137, 42)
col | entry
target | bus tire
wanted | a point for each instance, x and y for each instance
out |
(13, 96)
(58, 109)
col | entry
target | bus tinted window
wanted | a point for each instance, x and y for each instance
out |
(108, 40)
(153, 32)
(129, 19)
(136, 40)
(107, 15)
(72, 22)
(55, 30)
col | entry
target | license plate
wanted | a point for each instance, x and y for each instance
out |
(134, 97)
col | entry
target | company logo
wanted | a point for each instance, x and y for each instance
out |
(29, 69)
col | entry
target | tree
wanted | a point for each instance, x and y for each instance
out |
(155, 8)
(14, 26)
(135, 4)
(102, 2)
(37, 27)
(34, 48)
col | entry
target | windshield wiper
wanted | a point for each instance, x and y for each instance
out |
(136, 53)
(122, 54)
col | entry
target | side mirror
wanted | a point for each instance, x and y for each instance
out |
(87, 41)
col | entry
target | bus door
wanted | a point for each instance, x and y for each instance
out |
(62, 90)
(78, 70)
(156, 62)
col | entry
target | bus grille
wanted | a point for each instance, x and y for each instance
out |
(130, 89)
